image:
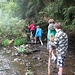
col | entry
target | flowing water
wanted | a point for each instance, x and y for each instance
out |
(12, 63)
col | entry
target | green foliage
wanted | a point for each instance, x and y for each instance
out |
(19, 41)
(10, 24)
(73, 21)
(6, 42)
(62, 11)
(21, 50)
(54, 9)
(13, 11)
(49, 9)
(11, 8)
(69, 28)
(67, 12)
(12, 27)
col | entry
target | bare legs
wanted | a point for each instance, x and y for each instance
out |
(60, 71)
(39, 40)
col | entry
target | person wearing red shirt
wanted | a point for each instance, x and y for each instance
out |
(32, 29)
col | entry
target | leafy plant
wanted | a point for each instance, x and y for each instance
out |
(73, 22)
(6, 42)
(19, 41)
(67, 12)
(21, 50)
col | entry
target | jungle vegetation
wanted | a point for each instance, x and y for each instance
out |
(16, 15)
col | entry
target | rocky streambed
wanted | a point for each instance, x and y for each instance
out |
(33, 63)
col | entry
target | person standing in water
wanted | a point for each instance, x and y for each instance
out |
(61, 44)
(51, 32)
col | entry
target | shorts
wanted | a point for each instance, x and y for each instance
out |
(48, 46)
(39, 37)
(60, 61)
(33, 33)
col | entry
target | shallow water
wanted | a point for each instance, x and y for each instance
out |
(13, 64)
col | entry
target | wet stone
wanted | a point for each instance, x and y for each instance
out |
(4, 48)
(1, 68)
(7, 67)
(3, 73)
(16, 60)
(8, 51)
(1, 56)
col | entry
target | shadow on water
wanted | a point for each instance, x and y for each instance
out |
(12, 63)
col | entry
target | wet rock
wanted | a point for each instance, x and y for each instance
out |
(35, 50)
(16, 60)
(2, 52)
(34, 57)
(1, 57)
(39, 58)
(15, 54)
(1, 68)
(29, 72)
(4, 48)
(7, 67)
(5, 64)
(2, 72)
(8, 51)
(28, 66)
(73, 72)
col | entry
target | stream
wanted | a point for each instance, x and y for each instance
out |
(13, 63)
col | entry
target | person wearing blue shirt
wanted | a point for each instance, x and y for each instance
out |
(38, 34)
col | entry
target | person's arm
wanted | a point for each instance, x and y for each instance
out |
(55, 42)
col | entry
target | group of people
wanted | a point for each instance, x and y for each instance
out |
(36, 32)
(57, 43)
